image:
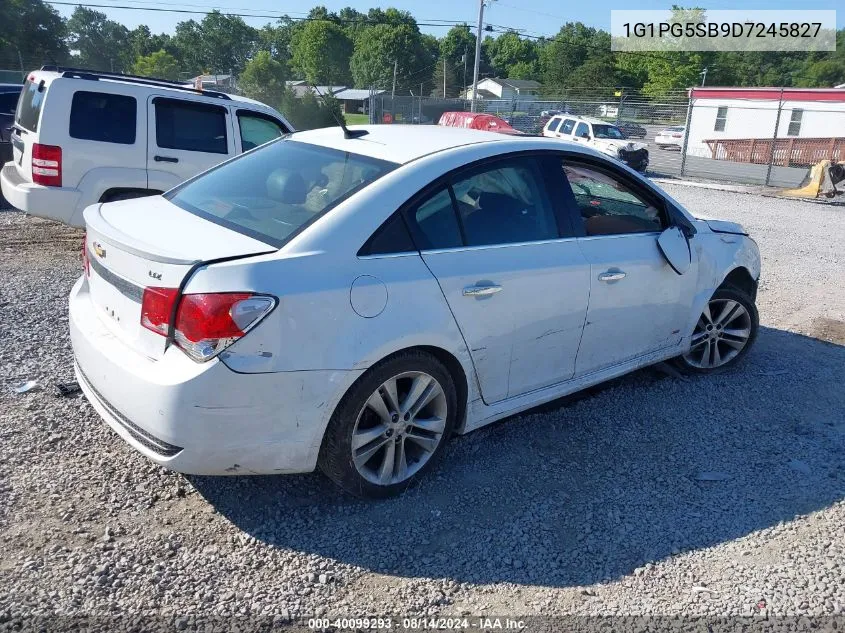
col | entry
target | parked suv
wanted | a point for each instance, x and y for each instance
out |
(81, 137)
(602, 136)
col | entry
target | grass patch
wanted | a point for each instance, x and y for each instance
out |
(357, 119)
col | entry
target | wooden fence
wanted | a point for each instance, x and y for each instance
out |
(797, 152)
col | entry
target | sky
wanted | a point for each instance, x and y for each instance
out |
(534, 17)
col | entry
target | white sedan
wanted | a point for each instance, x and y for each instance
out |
(348, 302)
(670, 137)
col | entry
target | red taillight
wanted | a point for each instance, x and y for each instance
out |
(207, 323)
(47, 165)
(156, 308)
(86, 264)
(676, 136)
(207, 316)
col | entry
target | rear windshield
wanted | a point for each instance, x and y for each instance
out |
(29, 105)
(275, 191)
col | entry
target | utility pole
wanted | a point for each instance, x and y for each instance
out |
(444, 76)
(477, 53)
(703, 74)
(395, 66)
(464, 85)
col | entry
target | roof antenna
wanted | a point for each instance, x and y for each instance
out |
(347, 133)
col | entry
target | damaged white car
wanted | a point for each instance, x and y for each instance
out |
(347, 300)
(601, 136)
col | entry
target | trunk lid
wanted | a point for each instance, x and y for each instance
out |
(149, 242)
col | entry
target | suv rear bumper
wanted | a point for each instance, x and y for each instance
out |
(53, 203)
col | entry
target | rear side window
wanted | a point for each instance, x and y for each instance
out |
(257, 129)
(434, 223)
(553, 125)
(97, 116)
(29, 105)
(391, 237)
(568, 124)
(194, 127)
(505, 203)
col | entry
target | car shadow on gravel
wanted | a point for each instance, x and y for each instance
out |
(588, 489)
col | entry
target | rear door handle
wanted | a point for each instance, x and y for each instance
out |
(481, 291)
(612, 275)
(165, 159)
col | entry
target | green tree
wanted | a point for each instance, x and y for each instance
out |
(218, 44)
(31, 33)
(142, 42)
(453, 84)
(263, 79)
(573, 45)
(398, 41)
(508, 50)
(321, 52)
(97, 42)
(276, 39)
(160, 64)
(457, 42)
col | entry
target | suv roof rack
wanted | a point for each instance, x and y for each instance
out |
(95, 75)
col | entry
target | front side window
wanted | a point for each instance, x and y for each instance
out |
(99, 116)
(795, 122)
(275, 191)
(505, 203)
(568, 124)
(194, 127)
(257, 129)
(606, 205)
(582, 131)
(721, 119)
(608, 131)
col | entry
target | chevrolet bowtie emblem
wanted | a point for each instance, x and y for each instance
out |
(99, 250)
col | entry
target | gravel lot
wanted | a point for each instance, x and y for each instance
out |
(653, 495)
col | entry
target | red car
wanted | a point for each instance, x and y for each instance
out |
(478, 121)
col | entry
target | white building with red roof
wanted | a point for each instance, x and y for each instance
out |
(738, 124)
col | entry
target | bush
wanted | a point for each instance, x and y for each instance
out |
(310, 111)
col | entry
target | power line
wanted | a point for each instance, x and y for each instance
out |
(432, 23)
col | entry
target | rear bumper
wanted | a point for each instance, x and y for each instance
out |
(54, 203)
(201, 418)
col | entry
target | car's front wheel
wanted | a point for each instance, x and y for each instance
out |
(391, 426)
(723, 334)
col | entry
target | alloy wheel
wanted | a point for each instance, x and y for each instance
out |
(399, 428)
(722, 332)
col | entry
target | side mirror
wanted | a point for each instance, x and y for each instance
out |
(674, 246)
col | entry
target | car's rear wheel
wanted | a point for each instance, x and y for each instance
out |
(723, 334)
(391, 426)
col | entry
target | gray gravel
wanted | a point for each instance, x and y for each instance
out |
(653, 495)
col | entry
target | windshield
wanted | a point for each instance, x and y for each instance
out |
(607, 131)
(275, 191)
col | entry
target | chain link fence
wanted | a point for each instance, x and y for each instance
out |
(768, 136)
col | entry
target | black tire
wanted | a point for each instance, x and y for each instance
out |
(732, 294)
(335, 458)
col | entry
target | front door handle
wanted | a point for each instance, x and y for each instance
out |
(612, 275)
(165, 159)
(481, 291)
